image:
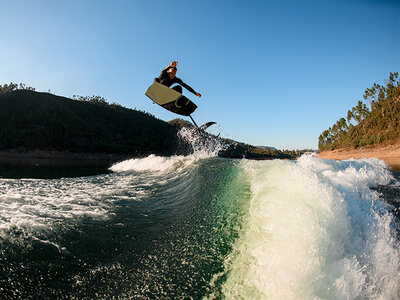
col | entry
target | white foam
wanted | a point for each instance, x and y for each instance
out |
(32, 206)
(35, 208)
(153, 163)
(315, 231)
(36, 205)
(202, 144)
(202, 147)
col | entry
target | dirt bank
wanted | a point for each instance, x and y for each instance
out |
(390, 154)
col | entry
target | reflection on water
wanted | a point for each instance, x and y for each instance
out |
(49, 172)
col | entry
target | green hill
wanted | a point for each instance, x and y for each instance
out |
(375, 120)
(32, 120)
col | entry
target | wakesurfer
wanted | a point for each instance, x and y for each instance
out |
(168, 78)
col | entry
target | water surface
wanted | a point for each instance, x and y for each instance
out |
(204, 227)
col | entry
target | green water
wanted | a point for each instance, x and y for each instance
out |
(203, 227)
(154, 235)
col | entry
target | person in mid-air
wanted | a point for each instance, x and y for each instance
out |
(168, 78)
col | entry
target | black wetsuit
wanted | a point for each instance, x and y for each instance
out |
(165, 80)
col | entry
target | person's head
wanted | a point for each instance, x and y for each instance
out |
(172, 72)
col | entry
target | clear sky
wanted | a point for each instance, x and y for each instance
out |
(273, 73)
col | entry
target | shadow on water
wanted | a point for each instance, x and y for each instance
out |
(391, 195)
(49, 172)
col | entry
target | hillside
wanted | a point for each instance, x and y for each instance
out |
(36, 125)
(372, 122)
(31, 120)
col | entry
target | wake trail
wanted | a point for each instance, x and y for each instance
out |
(201, 147)
(315, 230)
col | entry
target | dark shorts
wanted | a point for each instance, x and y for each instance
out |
(177, 88)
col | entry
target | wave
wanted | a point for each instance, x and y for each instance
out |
(35, 208)
(315, 230)
(153, 163)
(202, 146)
(196, 225)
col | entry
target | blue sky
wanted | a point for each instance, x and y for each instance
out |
(273, 73)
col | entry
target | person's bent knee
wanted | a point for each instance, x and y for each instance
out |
(177, 88)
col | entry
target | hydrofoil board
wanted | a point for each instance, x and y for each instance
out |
(170, 99)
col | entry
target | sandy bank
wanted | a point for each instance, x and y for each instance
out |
(390, 154)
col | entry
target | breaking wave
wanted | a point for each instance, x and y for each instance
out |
(315, 230)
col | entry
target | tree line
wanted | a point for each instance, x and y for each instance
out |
(7, 88)
(31, 120)
(373, 120)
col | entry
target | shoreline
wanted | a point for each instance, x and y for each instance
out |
(41, 158)
(46, 158)
(390, 154)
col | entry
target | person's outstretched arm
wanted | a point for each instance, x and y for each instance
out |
(189, 88)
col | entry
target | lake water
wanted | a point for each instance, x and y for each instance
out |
(199, 226)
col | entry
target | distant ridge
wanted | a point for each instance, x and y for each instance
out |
(267, 147)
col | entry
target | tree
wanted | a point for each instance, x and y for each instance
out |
(376, 120)
(7, 88)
